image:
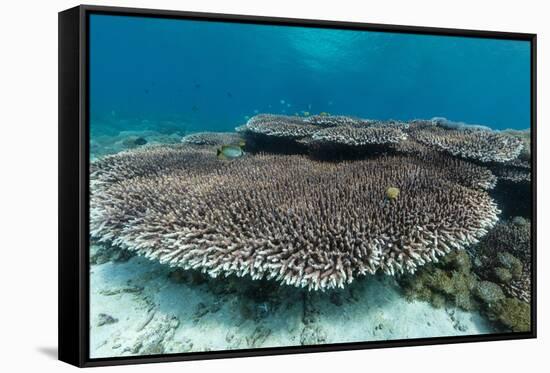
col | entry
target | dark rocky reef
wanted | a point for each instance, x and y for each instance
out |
(488, 277)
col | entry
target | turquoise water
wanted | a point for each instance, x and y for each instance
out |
(212, 75)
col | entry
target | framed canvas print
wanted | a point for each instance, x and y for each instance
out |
(238, 185)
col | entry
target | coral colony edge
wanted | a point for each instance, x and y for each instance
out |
(315, 186)
(355, 220)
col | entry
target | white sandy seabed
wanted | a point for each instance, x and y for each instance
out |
(139, 307)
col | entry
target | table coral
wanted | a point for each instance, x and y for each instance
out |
(302, 222)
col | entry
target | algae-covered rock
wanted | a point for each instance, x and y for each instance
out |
(450, 280)
(511, 263)
(461, 261)
(513, 313)
(503, 275)
(489, 292)
(463, 284)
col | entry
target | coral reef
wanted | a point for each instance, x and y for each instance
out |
(470, 143)
(461, 171)
(504, 256)
(525, 137)
(450, 280)
(333, 120)
(326, 129)
(487, 277)
(212, 138)
(446, 123)
(359, 135)
(302, 222)
(505, 153)
(489, 292)
(512, 173)
(512, 313)
(289, 127)
(516, 170)
(154, 160)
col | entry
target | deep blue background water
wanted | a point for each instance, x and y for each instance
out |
(211, 75)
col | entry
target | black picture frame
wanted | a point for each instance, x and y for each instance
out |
(74, 180)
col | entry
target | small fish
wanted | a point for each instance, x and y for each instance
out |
(282, 102)
(229, 94)
(197, 85)
(256, 111)
(194, 108)
(305, 113)
(228, 152)
(288, 105)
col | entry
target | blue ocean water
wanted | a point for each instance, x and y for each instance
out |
(212, 75)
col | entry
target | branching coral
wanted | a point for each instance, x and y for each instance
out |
(360, 136)
(333, 120)
(458, 170)
(517, 170)
(151, 161)
(334, 129)
(476, 144)
(513, 174)
(302, 222)
(278, 126)
(525, 137)
(212, 138)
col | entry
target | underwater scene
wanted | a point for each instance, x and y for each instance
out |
(259, 186)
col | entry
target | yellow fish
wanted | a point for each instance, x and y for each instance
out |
(227, 152)
(392, 193)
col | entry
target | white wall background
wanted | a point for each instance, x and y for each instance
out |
(28, 183)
